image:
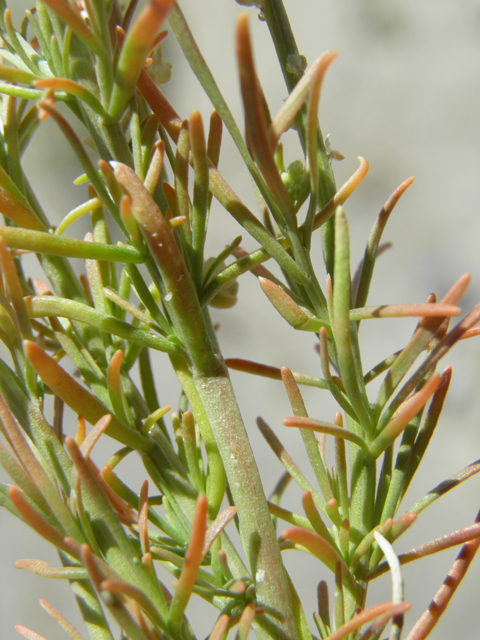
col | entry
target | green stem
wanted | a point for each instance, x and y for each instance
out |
(210, 377)
(256, 529)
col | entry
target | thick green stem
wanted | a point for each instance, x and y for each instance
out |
(256, 529)
(210, 377)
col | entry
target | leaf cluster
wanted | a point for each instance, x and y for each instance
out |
(156, 178)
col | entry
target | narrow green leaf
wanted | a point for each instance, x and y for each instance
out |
(267, 371)
(182, 197)
(100, 18)
(132, 499)
(404, 414)
(35, 426)
(73, 88)
(290, 517)
(188, 575)
(288, 308)
(37, 522)
(43, 569)
(325, 427)
(200, 68)
(49, 244)
(289, 464)
(425, 332)
(351, 377)
(17, 62)
(200, 193)
(423, 436)
(31, 59)
(135, 49)
(445, 486)
(145, 296)
(315, 519)
(296, 99)
(39, 485)
(115, 544)
(79, 399)
(84, 160)
(256, 128)
(433, 546)
(168, 473)
(321, 549)
(11, 74)
(41, 306)
(82, 359)
(374, 241)
(71, 16)
(404, 311)
(228, 199)
(192, 452)
(312, 142)
(14, 204)
(90, 608)
(20, 476)
(62, 621)
(24, 92)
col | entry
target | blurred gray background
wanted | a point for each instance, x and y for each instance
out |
(404, 92)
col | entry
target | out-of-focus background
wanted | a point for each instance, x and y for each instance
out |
(404, 92)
